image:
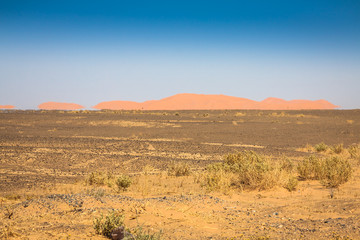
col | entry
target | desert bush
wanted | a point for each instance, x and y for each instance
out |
(291, 183)
(331, 171)
(179, 169)
(96, 192)
(98, 178)
(354, 151)
(336, 172)
(105, 225)
(321, 147)
(123, 182)
(215, 178)
(287, 165)
(339, 148)
(140, 234)
(311, 168)
(244, 170)
(253, 170)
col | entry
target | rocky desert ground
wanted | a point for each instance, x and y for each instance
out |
(60, 171)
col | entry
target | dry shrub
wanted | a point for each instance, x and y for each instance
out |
(7, 232)
(245, 170)
(216, 179)
(291, 183)
(354, 151)
(339, 148)
(336, 172)
(105, 225)
(140, 234)
(287, 165)
(252, 169)
(331, 171)
(311, 168)
(123, 182)
(98, 178)
(179, 169)
(321, 147)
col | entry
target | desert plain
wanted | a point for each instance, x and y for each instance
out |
(50, 162)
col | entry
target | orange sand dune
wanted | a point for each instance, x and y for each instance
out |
(188, 101)
(7, 106)
(59, 106)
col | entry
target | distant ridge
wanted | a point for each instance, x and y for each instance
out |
(59, 106)
(190, 101)
(7, 106)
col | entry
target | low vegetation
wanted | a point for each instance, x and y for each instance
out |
(336, 171)
(354, 151)
(331, 171)
(321, 147)
(339, 148)
(123, 182)
(291, 183)
(105, 225)
(117, 182)
(112, 226)
(179, 169)
(246, 170)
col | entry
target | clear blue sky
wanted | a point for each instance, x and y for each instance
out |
(91, 51)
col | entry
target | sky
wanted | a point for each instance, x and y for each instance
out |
(86, 52)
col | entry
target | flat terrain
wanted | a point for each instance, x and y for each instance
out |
(45, 157)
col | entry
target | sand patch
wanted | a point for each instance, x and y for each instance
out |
(122, 123)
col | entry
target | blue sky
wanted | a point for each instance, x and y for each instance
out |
(91, 51)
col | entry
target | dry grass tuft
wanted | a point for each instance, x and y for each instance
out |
(336, 172)
(105, 225)
(331, 171)
(339, 148)
(246, 170)
(118, 182)
(354, 151)
(179, 169)
(321, 147)
(123, 182)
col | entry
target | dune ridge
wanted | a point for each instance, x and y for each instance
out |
(59, 106)
(190, 101)
(7, 106)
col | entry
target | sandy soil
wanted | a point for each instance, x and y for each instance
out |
(46, 155)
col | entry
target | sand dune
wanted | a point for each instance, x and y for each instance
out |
(188, 101)
(7, 106)
(59, 106)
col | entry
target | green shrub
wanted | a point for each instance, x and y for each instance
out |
(336, 172)
(179, 169)
(123, 182)
(105, 225)
(321, 147)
